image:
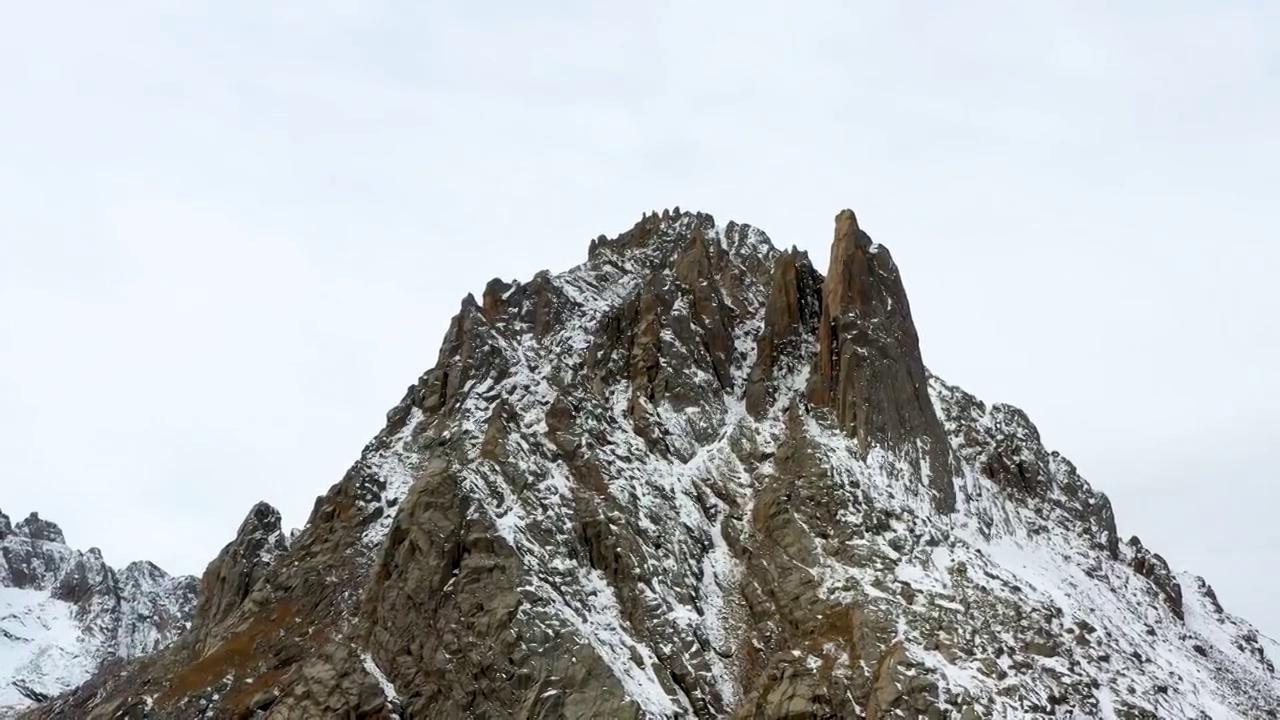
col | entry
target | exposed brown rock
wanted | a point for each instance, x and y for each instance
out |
(869, 370)
(711, 316)
(493, 302)
(1154, 568)
(647, 381)
(494, 445)
(1208, 592)
(543, 306)
(791, 319)
(241, 565)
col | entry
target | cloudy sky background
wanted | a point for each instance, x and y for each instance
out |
(231, 234)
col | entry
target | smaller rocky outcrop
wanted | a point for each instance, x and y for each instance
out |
(467, 355)
(88, 576)
(535, 304)
(1002, 444)
(37, 528)
(33, 555)
(70, 611)
(1154, 568)
(243, 562)
(1017, 461)
(1205, 589)
(157, 607)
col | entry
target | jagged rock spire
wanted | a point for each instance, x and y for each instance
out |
(229, 579)
(869, 370)
(570, 515)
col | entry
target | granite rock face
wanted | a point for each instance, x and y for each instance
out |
(693, 477)
(64, 613)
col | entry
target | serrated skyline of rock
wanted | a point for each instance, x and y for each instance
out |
(695, 477)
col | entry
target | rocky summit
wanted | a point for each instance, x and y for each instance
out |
(66, 613)
(694, 477)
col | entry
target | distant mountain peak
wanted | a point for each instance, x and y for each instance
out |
(63, 612)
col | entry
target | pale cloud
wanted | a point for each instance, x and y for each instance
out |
(234, 232)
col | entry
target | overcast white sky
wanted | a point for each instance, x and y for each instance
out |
(232, 233)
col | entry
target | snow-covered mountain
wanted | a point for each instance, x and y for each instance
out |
(63, 612)
(694, 477)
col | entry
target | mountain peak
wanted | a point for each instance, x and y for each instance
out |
(693, 477)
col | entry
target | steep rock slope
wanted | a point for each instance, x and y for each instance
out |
(64, 612)
(693, 477)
